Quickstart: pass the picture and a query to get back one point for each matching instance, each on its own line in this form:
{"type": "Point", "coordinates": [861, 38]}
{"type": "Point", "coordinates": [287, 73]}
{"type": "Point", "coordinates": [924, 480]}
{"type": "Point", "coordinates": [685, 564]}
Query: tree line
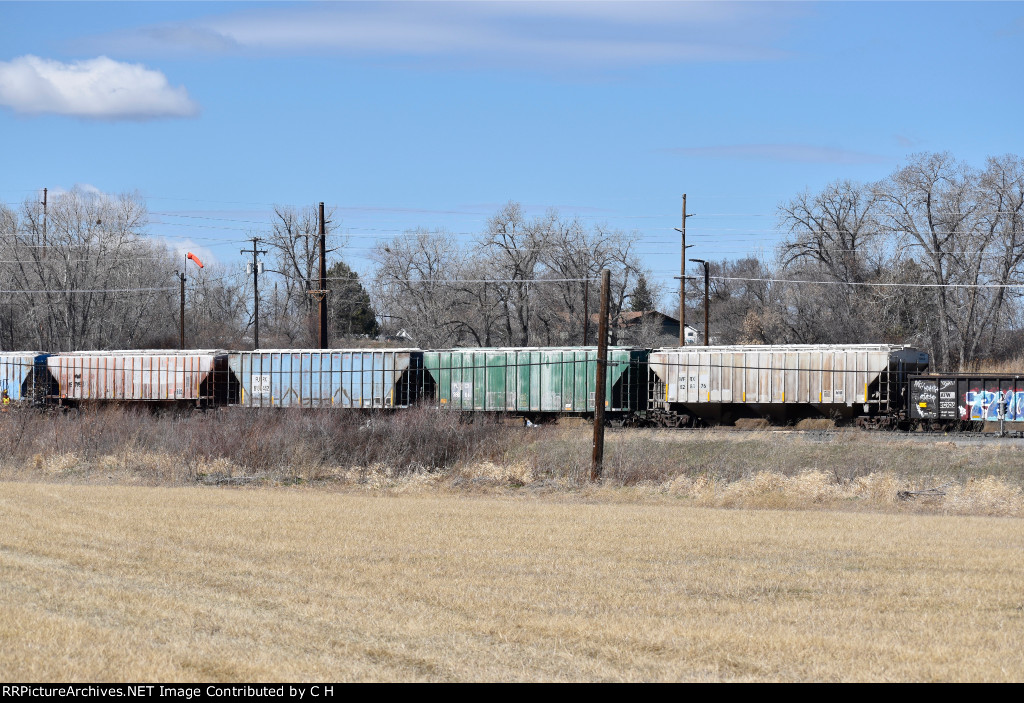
{"type": "Point", "coordinates": [932, 255]}
{"type": "Point", "coordinates": [520, 282]}
{"type": "Point", "coordinates": [84, 273]}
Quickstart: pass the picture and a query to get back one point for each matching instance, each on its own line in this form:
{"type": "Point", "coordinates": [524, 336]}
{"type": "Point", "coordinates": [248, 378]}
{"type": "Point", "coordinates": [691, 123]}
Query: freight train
{"type": "Point", "coordinates": [880, 386]}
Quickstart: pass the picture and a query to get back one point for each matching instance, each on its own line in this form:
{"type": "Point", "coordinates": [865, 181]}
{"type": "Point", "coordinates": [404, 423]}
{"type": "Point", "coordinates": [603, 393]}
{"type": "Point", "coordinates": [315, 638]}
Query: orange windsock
{"type": "Point", "coordinates": [195, 258]}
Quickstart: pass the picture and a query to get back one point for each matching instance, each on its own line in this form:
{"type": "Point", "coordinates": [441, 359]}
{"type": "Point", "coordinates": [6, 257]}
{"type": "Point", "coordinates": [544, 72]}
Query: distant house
{"type": "Point", "coordinates": [659, 322]}
{"type": "Point", "coordinates": [649, 327]}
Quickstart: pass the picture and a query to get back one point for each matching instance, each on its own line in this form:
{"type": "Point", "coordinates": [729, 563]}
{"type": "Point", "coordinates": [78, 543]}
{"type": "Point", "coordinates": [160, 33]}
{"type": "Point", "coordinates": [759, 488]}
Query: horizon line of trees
{"type": "Point", "coordinates": [932, 255]}
{"type": "Point", "coordinates": [85, 274]}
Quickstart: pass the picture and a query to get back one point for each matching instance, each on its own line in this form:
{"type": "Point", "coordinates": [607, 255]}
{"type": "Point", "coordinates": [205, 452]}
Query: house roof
{"type": "Point", "coordinates": [630, 317]}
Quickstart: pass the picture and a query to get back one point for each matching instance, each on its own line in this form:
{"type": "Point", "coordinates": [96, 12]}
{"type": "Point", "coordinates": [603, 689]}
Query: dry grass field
{"type": "Point", "coordinates": [203, 583]}
{"type": "Point", "coordinates": [425, 450]}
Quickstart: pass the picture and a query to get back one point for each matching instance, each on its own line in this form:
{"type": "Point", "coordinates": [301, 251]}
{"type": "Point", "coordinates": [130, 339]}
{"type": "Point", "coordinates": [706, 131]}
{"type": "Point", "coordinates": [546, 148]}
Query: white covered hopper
{"type": "Point", "coordinates": [153, 375]}
{"type": "Point", "coordinates": [832, 376]}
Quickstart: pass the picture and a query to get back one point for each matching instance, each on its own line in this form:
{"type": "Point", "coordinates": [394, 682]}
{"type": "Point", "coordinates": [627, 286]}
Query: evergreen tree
{"type": "Point", "coordinates": [349, 305]}
{"type": "Point", "coordinates": [641, 299]}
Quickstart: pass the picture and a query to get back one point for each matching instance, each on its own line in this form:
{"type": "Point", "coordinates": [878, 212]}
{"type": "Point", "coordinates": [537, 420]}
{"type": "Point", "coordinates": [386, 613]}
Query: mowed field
{"type": "Point", "coordinates": [213, 584]}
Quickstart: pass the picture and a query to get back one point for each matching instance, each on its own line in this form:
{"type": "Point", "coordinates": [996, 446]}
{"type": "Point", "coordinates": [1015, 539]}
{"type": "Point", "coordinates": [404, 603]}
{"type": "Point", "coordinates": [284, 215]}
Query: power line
{"type": "Point", "coordinates": [207, 217]}
{"type": "Point", "coordinates": [93, 260]}
{"type": "Point", "coordinates": [527, 281]}
{"type": "Point", "coordinates": [870, 284]}
{"type": "Point", "coordinates": [78, 291]}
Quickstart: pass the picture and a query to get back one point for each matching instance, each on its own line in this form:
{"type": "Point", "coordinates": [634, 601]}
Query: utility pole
{"type": "Point", "coordinates": [586, 305]}
{"type": "Point", "coordinates": [706, 291]}
{"type": "Point", "coordinates": [181, 319]}
{"type": "Point", "coordinates": [682, 277]}
{"type": "Point", "coordinates": [597, 462]}
{"type": "Point", "coordinates": [323, 280]}
{"type": "Point", "coordinates": [44, 221]}
{"type": "Point", "coordinates": [320, 293]}
{"type": "Point", "coordinates": [255, 288]}
{"type": "Point", "coordinates": [487, 318]}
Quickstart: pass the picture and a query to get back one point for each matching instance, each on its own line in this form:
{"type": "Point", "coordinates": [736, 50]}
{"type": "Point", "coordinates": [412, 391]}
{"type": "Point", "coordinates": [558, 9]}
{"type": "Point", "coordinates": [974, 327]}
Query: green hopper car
{"type": "Point", "coordinates": [531, 381]}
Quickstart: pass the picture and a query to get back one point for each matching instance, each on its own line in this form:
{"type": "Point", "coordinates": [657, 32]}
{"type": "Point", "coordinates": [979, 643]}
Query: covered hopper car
{"type": "Point", "coordinates": [195, 377]}
{"type": "Point", "coordinates": [861, 382]}
{"type": "Point", "coordinates": [328, 378]}
{"type": "Point", "coordinates": [537, 382]}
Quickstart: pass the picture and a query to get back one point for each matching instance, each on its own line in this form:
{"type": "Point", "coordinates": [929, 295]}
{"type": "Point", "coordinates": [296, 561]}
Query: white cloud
{"type": "Point", "coordinates": [86, 189]}
{"type": "Point", "coordinates": [99, 88]}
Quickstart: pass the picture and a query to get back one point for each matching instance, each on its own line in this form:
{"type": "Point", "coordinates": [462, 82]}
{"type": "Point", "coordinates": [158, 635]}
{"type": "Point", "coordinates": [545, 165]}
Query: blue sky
{"type": "Point", "coordinates": [435, 114]}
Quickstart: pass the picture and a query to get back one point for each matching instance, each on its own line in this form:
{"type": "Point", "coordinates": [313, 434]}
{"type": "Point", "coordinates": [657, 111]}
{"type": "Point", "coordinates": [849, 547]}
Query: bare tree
{"type": "Point", "coordinates": [294, 245]}
{"type": "Point", "coordinates": [96, 282]}
{"type": "Point", "coordinates": [521, 282]}
{"type": "Point", "coordinates": [833, 228]}
{"type": "Point", "coordinates": [1003, 184]}
{"type": "Point", "coordinates": [929, 255]}
{"type": "Point", "coordinates": [217, 300]}
{"type": "Point", "coordinates": [417, 287]}
{"type": "Point", "coordinates": [939, 208]}
{"type": "Point", "coordinates": [513, 248]}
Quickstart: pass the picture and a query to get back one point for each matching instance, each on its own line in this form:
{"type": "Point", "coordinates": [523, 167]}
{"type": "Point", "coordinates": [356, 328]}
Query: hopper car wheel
{"type": "Point", "coordinates": [880, 422]}
{"type": "Point", "coordinates": [665, 418]}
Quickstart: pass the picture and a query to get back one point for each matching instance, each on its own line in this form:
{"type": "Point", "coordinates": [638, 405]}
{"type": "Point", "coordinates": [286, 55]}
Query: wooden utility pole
{"type": "Point", "coordinates": [682, 280]}
{"type": "Point", "coordinates": [44, 220]}
{"type": "Point", "coordinates": [586, 307]}
{"type": "Point", "coordinates": [255, 288]}
{"type": "Point", "coordinates": [706, 298]}
{"type": "Point", "coordinates": [42, 252]}
{"type": "Point", "coordinates": [324, 328]}
{"type": "Point", "coordinates": [707, 323]}
{"type": "Point", "coordinates": [597, 463]}
{"type": "Point", "coordinates": [181, 320]}
{"type": "Point", "coordinates": [682, 277]}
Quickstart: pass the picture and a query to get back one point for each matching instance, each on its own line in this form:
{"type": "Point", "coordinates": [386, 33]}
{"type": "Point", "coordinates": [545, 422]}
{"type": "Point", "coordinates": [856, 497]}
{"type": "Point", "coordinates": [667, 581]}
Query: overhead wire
{"type": "Point", "coordinates": [80, 291]}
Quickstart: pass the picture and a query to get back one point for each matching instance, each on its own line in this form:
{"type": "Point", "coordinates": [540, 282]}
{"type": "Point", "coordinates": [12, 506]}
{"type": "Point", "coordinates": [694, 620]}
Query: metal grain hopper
{"type": "Point", "coordinates": [330, 378]}
{"type": "Point", "coordinates": [535, 381]}
{"type": "Point", "coordinates": [198, 377]}
{"type": "Point", "coordinates": [784, 383]}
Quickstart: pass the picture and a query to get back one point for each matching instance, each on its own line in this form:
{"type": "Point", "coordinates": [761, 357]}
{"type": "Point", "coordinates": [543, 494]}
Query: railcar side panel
{"type": "Point", "coordinates": [144, 375]}
{"type": "Point", "coordinates": [783, 381]}
{"type": "Point", "coordinates": [967, 398]}
{"type": "Point", "coordinates": [23, 375]}
{"type": "Point", "coordinates": [333, 378]}
{"type": "Point", "coordinates": [535, 380]}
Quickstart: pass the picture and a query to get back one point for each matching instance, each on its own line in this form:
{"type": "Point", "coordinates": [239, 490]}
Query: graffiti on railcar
{"type": "Point", "coordinates": [984, 405]}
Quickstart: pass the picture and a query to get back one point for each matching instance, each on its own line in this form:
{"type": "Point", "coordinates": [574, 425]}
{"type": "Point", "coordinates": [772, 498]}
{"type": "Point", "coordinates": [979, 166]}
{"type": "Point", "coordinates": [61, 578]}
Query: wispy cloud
{"type": "Point", "coordinates": [569, 33]}
{"type": "Point", "coordinates": [801, 153]}
{"type": "Point", "coordinates": [1011, 29]}
{"type": "Point", "coordinates": [908, 141]}
{"type": "Point", "coordinates": [99, 88]}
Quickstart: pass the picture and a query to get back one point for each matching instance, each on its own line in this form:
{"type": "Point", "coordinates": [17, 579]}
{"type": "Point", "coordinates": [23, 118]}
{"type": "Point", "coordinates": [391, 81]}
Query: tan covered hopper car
{"type": "Point", "coordinates": [198, 377]}
{"type": "Point", "coordinates": [783, 383]}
